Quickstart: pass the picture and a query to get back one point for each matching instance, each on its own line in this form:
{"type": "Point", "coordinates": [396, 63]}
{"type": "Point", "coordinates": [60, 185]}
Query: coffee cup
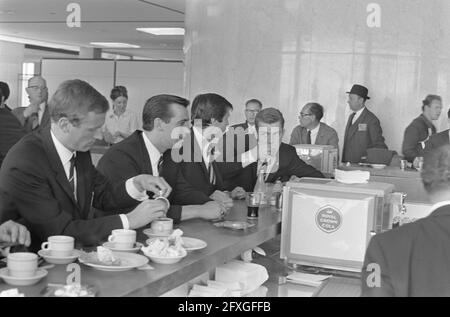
{"type": "Point", "coordinates": [59, 246]}
{"type": "Point", "coordinates": [162, 226]}
{"type": "Point", "coordinates": [123, 239]}
{"type": "Point", "coordinates": [22, 265]}
{"type": "Point", "coordinates": [165, 201]}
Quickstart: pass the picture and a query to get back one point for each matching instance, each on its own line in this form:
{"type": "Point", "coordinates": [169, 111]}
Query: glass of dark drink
{"type": "Point", "coordinates": [253, 202]}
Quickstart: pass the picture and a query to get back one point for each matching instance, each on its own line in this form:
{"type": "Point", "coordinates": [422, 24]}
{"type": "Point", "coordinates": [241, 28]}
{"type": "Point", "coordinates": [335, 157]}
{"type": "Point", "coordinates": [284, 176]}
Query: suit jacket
{"type": "Point", "coordinates": [289, 165]}
{"type": "Point", "coordinates": [437, 140]}
{"type": "Point", "coordinates": [326, 136]}
{"type": "Point", "coordinates": [36, 189]}
{"type": "Point", "coordinates": [10, 132]}
{"type": "Point", "coordinates": [130, 157]}
{"type": "Point", "coordinates": [365, 133]}
{"type": "Point", "coordinates": [27, 123]}
{"type": "Point", "coordinates": [192, 166]}
{"type": "Point", "coordinates": [417, 132]}
{"type": "Point", "coordinates": [414, 259]}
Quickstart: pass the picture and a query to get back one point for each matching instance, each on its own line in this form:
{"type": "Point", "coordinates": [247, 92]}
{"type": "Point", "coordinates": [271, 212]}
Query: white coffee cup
{"type": "Point", "coordinates": [163, 226]}
{"type": "Point", "coordinates": [22, 264]}
{"type": "Point", "coordinates": [123, 239]}
{"type": "Point", "coordinates": [59, 246]}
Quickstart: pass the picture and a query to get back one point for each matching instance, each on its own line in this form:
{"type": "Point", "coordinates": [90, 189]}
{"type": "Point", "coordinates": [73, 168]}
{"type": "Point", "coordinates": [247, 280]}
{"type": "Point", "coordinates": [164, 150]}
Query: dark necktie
{"type": "Point", "coordinates": [72, 176]}
{"type": "Point", "coordinates": [160, 166]}
{"type": "Point", "coordinates": [308, 137]}
{"type": "Point", "coordinates": [212, 175]}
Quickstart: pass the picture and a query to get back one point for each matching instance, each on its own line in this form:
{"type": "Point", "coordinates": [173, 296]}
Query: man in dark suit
{"type": "Point", "coordinates": [48, 179]}
{"type": "Point", "coordinates": [200, 154]}
{"type": "Point", "coordinates": [278, 160]}
{"type": "Point", "coordinates": [422, 128]}
{"type": "Point", "coordinates": [437, 140]}
{"type": "Point", "coordinates": [413, 260]}
{"type": "Point", "coordinates": [149, 152]}
{"type": "Point", "coordinates": [252, 108]}
{"type": "Point", "coordinates": [10, 131]}
{"type": "Point", "coordinates": [363, 129]}
{"type": "Point", "coordinates": [4, 90]}
{"type": "Point", "coordinates": [311, 130]}
{"type": "Point", "coordinates": [36, 115]}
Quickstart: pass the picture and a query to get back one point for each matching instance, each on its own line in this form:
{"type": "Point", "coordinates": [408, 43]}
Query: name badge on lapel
{"type": "Point", "coordinates": [362, 127]}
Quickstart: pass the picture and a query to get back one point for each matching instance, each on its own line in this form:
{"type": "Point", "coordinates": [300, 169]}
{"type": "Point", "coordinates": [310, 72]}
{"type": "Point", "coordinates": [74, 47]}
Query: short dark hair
{"type": "Point", "coordinates": [269, 116]}
{"type": "Point", "coordinates": [74, 99]}
{"type": "Point", "coordinates": [448, 114]}
{"type": "Point", "coordinates": [316, 109]}
{"type": "Point", "coordinates": [159, 107]}
{"type": "Point", "coordinates": [206, 107]}
{"type": "Point", "coordinates": [436, 170]}
{"type": "Point", "coordinates": [1, 95]}
{"type": "Point", "coordinates": [259, 103]}
{"type": "Point", "coordinates": [4, 88]}
{"type": "Point", "coordinates": [429, 99]}
{"type": "Point", "coordinates": [119, 91]}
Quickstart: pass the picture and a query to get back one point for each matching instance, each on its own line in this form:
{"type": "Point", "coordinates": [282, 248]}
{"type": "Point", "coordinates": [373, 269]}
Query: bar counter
{"type": "Point", "coordinates": [223, 245]}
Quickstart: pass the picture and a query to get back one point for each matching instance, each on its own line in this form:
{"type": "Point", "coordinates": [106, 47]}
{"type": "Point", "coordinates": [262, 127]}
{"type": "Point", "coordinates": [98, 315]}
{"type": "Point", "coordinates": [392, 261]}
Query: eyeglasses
{"type": "Point", "coordinates": [251, 111]}
{"type": "Point", "coordinates": [37, 88]}
{"type": "Point", "coordinates": [302, 115]}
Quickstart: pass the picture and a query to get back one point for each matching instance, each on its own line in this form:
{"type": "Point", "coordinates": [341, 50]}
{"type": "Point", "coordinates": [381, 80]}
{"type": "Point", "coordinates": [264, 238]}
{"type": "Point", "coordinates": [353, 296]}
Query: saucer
{"type": "Point", "coordinates": [58, 259]}
{"type": "Point", "coordinates": [189, 244]}
{"type": "Point", "coordinates": [110, 245]}
{"type": "Point", "coordinates": [149, 232]}
{"type": "Point", "coordinates": [22, 281]}
{"type": "Point", "coordinates": [379, 166]}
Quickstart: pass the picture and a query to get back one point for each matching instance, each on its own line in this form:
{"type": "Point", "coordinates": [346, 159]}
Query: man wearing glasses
{"type": "Point", "coordinates": [311, 130]}
{"type": "Point", "coordinates": [36, 114]}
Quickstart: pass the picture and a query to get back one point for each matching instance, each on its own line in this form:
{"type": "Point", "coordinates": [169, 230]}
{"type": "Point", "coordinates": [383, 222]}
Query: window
{"type": "Point", "coordinates": [27, 73]}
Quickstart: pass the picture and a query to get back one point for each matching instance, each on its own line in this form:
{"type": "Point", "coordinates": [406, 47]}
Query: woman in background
{"type": "Point", "coordinates": [120, 123]}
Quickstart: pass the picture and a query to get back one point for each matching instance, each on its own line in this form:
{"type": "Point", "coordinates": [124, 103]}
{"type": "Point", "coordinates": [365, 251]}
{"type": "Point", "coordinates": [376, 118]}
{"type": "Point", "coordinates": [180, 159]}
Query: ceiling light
{"type": "Point", "coordinates": [162, 31]}
{"type": "Point", "coordinates": [114, 45]}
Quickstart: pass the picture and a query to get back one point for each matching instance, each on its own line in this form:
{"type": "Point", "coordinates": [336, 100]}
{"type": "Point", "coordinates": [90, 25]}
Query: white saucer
{"type": "Point", "coordinates": [22, 281]}
{"type": "Point", "coordinates": [58, 259]}
{"type": "Point", "coordinates": [110, 245]}
{"type": "Point", "coordinates": [189, 244]}
{"type": "Point", "coordinates": [129, 261]}
{"type": "Point", "coordinates": [379, 166]}
{"type": "Point", "coordinates": [149, 232]}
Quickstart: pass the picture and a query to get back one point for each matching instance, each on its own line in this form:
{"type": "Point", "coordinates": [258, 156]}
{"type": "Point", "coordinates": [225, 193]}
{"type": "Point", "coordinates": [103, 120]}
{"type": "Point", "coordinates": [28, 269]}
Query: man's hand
{"type": "Point", "coordinates": [157, 185]}
{"type": "Point", "coordinates": [12, 232]}
{"type": "Point", "coordinates": [222, 198]}
{"type": "Point", "coordinates": [145, 213]}
{"type": "Point", "coordinates": [212, 210]}
{"type": "Point", "coordinates": [238, 193]}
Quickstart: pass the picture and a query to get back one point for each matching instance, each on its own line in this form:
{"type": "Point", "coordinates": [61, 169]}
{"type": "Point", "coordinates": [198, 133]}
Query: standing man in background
{"type": "Point", "coordinates": [422, 128]}
{"type": "Point", "coordinates": [363, 129]}
{"type": "Point", "coordinates": [36, 115]}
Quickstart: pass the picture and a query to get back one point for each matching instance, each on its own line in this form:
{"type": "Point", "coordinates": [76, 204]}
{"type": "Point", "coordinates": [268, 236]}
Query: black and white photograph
{"type": "Point", "coordinates": [225, 154]}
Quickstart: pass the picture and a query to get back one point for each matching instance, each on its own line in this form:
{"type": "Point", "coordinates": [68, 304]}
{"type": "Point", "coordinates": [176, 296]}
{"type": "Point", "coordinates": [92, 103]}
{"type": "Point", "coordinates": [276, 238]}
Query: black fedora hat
{"type": "Point", "coordinates": [360, 91]}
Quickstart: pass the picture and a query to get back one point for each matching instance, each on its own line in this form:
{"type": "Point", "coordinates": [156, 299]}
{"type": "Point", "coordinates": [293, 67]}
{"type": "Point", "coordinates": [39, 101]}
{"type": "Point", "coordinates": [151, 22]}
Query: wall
{"type": "Point", "coordinates": [290, 52]}
{"type": "Point", "coordinates": [11, 57]}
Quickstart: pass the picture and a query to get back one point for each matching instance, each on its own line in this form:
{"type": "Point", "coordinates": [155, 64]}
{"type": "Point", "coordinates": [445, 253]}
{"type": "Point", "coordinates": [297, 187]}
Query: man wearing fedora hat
{"type": "Point", "coordinates": [363, 130]}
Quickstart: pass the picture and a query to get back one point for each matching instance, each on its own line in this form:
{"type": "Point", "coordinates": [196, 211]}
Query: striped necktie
{"type": "Point", "coordinates": [72, 176]}
{"type": "Point", "coordinates": [160, 166]}
{"type": "Point", "coordinates": [308, 137]}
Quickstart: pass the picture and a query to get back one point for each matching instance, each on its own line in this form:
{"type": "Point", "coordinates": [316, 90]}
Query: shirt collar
{"type": "Point", "coordinates": [439, 205]}
{"type": "Point", "coordinates": [316, 129]}
{"type": "Point", "coordinates": [153, 152]}
{"type": "Point", "coordinates": [358, 113]}
{"type": "Point", "coordinates": [64, 153]}
{"type": "Point", "coordinates": [42, 106]}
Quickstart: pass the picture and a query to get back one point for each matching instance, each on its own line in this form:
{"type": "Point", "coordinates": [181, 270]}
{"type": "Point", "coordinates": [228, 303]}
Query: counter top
{"type": "Point", "coordinates": [389, 171]}
{"type": "Point", "coordinates": [223, 245]}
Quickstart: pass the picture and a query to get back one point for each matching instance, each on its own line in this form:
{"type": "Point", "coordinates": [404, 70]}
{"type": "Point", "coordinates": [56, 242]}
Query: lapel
{"type": "Point", "coordinates": [145, 156]}
{"type": "Point", "coordinates": [303, 135]}
{"type": "Point", "coordinates": [83, 190]}
{"type": "Point", "coordinates": [45, 117]}
{"type": "Point", "coordinates": [354, 128]}
{"type": "Point", "coordinates": [320, 134]}
{"type": "Point", "coordinates": [446, 137]}
{"type": "Point", "coordinates": [197, 156]}
{"type": "Point", "coordinates": [57, 166]}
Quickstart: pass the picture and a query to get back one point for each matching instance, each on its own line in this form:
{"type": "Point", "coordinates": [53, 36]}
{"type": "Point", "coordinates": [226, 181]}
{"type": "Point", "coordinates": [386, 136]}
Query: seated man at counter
{"type": "Point", "coordinates": [422, 128]}
{"type": "Point", "coordinates": [149, 152]}
{"type": "Point", "coordinates": [50, 183]}
{"type": "Point", "coordinates": [437, 140]}
{"type": "Point", "coordinates": [413, 259]}
{"type": "Point", "coordinates": [198, 152]}
{"type": "Point", "coordinates": [311, 130]}
{"type": "Point", "coordinates": [280, 160]}
{"type": "Point", "coordinates": [363, 129]}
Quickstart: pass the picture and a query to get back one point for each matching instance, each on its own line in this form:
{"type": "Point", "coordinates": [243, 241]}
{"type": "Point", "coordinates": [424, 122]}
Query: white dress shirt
{"type": "Point", "coordinates": [358, 114]}
{"type": "Point", "coordinates": [65, 155]}
{"type": "Point", "coordinates": [41, 112]}
{"type": "Point", "coordinates": [127, 123]}
{"type": "Point", "coordinates": [204, 145]}
{"type": "Point", "coordinates": [314, 133]}
{"type": "Point", "coordinates": [252, 130]}
{"type": "Point", "coordinates": [154, 154]}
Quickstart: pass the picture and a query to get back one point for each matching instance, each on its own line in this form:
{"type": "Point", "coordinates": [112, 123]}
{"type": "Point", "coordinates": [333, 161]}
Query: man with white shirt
{"type": "Point", "coordinates": [413, 260]}
{"type": "Point", "coordinates": [50, 183]}
{"type": "Point", "coordinates": [36, 115]}
{"type": "Point", "coordinates": [149, 152]}
{"type": "Point", "coordinates": [311, 130]}
{"type": "Point", "coordinates": [252, 108]}
{"type": "Point", "coordinates": [278, 160]}
{"type": "Point", "coordinates": [363, 130]}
